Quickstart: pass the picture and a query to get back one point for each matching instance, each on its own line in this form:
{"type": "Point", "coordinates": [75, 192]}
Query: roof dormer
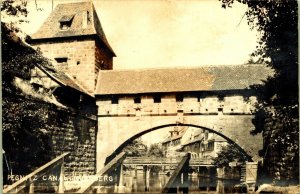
{"type": "Point", "coordinates": [66, 22]}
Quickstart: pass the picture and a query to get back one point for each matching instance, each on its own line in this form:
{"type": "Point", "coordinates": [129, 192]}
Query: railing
{"type": "Point", "coordinates": [201, 162]}
{"type": "Point", "coordinates": [164, 161]}
{"type": "Point", "coordinates": [29, 180]}
{"type": "Point", "coordinates": [179, 178]}
{"type": "Point", "coordinates": [105, 170]}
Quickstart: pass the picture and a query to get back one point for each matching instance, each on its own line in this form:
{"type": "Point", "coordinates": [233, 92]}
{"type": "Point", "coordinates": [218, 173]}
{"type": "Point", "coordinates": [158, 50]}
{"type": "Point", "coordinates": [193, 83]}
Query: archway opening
{"type": "Point", "coordinates": [130, 140]}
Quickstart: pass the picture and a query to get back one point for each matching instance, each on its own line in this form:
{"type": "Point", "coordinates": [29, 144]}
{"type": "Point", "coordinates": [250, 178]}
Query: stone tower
{"type": "Point", "coordinates": [73, 39]}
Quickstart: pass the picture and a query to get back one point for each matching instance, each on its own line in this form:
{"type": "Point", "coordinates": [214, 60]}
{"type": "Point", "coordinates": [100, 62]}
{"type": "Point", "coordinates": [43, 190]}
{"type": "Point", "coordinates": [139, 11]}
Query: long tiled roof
{"type": "Point", "coordinates": [206, 78]}
{"type": "Point", "coordinates": [75, 12]}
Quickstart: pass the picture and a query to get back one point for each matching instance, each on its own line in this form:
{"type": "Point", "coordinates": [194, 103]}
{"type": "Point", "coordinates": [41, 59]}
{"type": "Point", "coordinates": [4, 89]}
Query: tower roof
{"type": "Point", "coordinates": [80, 19]}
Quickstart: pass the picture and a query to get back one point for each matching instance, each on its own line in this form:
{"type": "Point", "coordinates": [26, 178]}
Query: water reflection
{"type": "Point", "coordinates": [153, 182]}
{"type": "Point", "coordinates": [144, 182]}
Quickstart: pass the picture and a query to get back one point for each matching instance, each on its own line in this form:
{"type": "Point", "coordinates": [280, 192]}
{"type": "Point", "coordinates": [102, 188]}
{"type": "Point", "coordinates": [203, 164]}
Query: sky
{"type": "Point", "coordinates": [166, 33]}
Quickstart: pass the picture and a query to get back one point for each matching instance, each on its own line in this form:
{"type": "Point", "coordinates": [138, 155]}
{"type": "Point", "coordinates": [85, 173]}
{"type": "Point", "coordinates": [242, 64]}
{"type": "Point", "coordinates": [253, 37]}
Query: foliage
{"type": "Point", "coordinates": [278, 112]}
{"type": "Point", "coordinates": [17, 60]}
{"type": "Point", "coordinates": [277, 46]}
{"type": "Point", "coordinates": [136, 148]}
{"type": "Point", "coordinates": [14, 7]}
{"type": "Point", "coordinates": [155, 150]}
{"type": "Point", "coordinates": [26, 143]}
{"type": "Point", "coordinates": [229, 154]}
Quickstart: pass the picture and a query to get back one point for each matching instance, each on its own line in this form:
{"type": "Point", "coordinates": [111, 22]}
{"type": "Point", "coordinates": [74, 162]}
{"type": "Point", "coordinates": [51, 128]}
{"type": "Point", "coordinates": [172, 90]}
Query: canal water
{"type": "Point", "coordinates": [152, 182]}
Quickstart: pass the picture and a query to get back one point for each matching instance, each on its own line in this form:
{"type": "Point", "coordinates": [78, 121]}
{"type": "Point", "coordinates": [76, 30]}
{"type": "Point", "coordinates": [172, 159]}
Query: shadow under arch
{"type": "Point", "coordinates": [128, 141]}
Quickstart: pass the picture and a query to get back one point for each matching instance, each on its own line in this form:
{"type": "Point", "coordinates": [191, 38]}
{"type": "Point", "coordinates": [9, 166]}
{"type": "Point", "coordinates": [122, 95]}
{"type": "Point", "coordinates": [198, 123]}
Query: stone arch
{"type": "Point", "coordinates": [128, 141]}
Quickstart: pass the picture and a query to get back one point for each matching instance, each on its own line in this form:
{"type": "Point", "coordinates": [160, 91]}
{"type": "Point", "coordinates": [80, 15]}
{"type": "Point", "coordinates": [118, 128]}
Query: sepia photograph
{"type": "Point", "coordinates": [150, 96]}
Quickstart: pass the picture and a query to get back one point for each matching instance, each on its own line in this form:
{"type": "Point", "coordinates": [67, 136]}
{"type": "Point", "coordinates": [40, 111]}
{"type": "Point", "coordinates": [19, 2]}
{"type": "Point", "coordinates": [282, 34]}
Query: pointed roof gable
{"type": "Point", "coordinates": [81, 18]}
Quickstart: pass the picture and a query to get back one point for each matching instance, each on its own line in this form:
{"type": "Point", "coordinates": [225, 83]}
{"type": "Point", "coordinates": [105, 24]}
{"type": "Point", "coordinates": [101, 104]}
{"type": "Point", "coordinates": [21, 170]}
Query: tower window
{"type": "Point", "coordinates": [61, 60]}
{"type": "Point", "coordinates": [88, 17]}
{"type": "Point", "coordinates": [66, 22]}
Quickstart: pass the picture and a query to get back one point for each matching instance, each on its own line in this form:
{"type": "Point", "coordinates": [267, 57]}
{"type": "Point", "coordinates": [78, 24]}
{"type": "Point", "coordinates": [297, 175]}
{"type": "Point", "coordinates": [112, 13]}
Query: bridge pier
{"type": "Point", "coordinates": [147, 178]}
{"type": "Point", "coordinates": [121, 188]}
{"type": "Point", "coordinates": [184, 182]}
{"type": "Point", "coordinates": [135, 171]}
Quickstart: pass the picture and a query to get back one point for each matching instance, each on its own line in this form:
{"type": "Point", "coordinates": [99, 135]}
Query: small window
{"type": "Point", "coordinates": [137, 100]}
{"type": "Point", "coordinates": [221, 97]}
{"type": "Point", "coordinates": [157, 99]}
{"type": "Point", "coordinates": [179, 98]}
{"type": "Point", "coordinates": [88, 17]}
{"type": "Point", "coordinates": [114, 100]}
{"type": "Point", "coordinates": [61, 60]}
{"type": "Point", "coordinates": [220, 109]}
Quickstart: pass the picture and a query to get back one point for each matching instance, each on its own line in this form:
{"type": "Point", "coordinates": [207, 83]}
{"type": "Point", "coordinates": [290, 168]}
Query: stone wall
{"type": "Point", "coordinates": [168, 105]}
{"type": "Point", "coordinates": [103, 59]}
{"type": "Point", "coordinates": [74, 133]}
{"type": "Point", "coordinates": [84, 58]}
{"type": "Point", "coordinates": [77, 136]}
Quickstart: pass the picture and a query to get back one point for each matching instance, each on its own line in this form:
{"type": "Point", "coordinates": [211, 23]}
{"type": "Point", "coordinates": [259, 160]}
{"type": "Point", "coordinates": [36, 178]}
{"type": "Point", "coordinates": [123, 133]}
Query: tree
{"type": "Point", "coordinates": [229, 154]}
{"type": "Point", "coordinates": [27, 145]}
{"type": "Point", "coordinates": [155, 150]}
{"type": "Point", "coordinates": [136, 148]}
{"type": "Point", "coordinates": [14, 7]}
{"type": "Point", "coordinates": [278, 111]}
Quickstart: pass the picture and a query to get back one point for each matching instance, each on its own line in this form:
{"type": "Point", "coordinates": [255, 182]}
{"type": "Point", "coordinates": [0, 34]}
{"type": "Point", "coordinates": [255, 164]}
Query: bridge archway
{"type": "Point", "coordinates": [115, 132]}
{"type": "Point", "coordinates": [131, 139]}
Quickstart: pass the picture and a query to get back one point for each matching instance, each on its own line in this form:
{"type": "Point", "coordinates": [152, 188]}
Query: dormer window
{"type": "Point", "coordinates": [66, 22]}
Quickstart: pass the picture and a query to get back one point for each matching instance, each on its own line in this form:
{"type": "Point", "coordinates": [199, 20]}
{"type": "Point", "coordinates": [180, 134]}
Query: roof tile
{"type": "Point", "coordinates": [205, 78]}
